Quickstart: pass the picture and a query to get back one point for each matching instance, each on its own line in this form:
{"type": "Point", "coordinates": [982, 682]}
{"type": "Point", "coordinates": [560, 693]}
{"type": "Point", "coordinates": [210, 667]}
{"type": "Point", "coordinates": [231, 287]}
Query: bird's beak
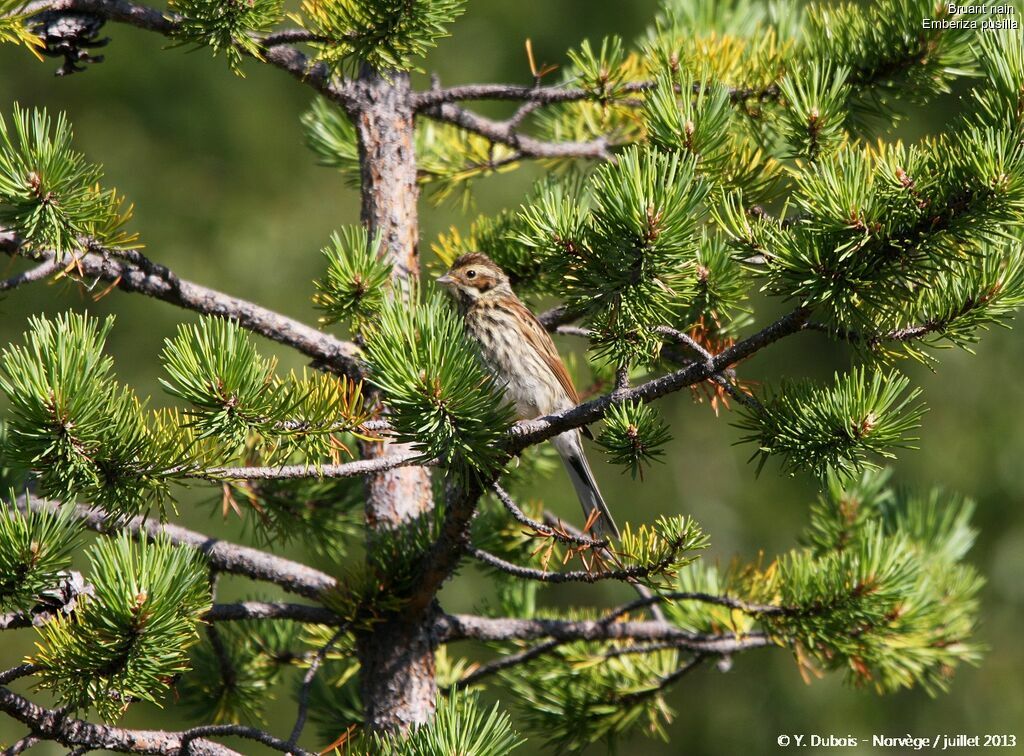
{"type": "Point", "coordinates": [445, 280]}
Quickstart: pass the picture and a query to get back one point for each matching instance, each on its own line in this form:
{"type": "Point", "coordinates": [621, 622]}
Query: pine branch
{"type": "Point", "coordinates": [292, 472]}
{"type": "Point", "coordinates": [444, 556]}
{"type": "Point", "coordinates": [272, 610]}
{"type": "Point", "coordinates": [530, 432]}
{"type": "Point", "coordinates": [221, 555]}
{"type": "Point", "coordinates": [274, 51]}
{"type": "Point", "coordinates": [450, 628]}
{"type": "Point", "coordinates": [559, 93]}
{"type": "Point", "coordinates": [556, 316]}
{"type": "Point", "coordinates": [470, 624]}
{"type": "Point", "coordinates": [899, 335]}
{"type": "Point", "coordinates": [53, 724]}
{"type": "Point", "coordinates": [16, 673]}
{"type": "Point", "coordinates": [142, 276]}
{"type": "Point", "coordinates": [753, 609]}
{"type": "Point", "coordinates": [22, 745]}
{"type": "Point", "coordinates": [446, 553]}
{"type": "Point", "coordinates": [540, 95]}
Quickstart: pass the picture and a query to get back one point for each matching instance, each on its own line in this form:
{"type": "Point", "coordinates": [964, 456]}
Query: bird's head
{"type": "Point", "coordinates": [472, 276]}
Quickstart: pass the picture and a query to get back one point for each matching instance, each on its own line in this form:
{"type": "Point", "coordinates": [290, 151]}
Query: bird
{"type": "Point", "coordinates": [517, 349]}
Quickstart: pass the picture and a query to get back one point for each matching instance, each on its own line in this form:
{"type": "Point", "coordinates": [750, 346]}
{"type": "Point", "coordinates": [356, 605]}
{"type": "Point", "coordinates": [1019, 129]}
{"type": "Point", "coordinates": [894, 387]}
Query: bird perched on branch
{"type": "Point", "coordinates": [517, 348]}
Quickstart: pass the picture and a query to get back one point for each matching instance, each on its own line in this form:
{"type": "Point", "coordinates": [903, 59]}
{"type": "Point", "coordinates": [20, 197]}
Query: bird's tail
{"type": "Point", "coordinates": [570, 448]}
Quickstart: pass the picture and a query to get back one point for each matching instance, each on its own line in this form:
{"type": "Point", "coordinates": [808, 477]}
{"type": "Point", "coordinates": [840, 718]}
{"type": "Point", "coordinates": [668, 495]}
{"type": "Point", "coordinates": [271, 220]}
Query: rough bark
{"type": "Point", "coordinates": [397, 657]}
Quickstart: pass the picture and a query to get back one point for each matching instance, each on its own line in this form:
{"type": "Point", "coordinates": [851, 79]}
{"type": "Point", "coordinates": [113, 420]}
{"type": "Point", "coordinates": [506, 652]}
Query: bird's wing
{"type": "Point", "coordinates": [537, 336]}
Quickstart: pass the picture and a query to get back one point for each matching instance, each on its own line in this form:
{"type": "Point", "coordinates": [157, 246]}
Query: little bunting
{"type": "Point", "coordinates": [518, 350]}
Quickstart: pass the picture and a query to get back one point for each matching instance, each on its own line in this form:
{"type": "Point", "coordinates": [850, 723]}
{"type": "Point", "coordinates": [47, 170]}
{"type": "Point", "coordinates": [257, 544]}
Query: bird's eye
{"type": "Point", "coordinates": [470, 273]}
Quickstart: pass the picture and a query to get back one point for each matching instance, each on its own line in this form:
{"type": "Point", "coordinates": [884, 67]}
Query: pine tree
{"type": "Point", "coordinates": [733, 148]}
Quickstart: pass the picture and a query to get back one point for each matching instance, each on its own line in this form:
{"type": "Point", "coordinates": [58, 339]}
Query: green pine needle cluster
{"type": "Point", "coordinates": [49, 193]}
{"type": "Point", "coordinates": [237, 398]}
{"type": "Point", "coordinates": [461, 724]}
{"type": "Point", "coordinates": [838, 428]}
{"type": "Point", "coordinates": [582, 694]}
{"type": "Point", "coordinates": [325, 516]}
{"type": "Point", "coordinates": [227, 26]}
{"type": "Point", "coordinates": [84, 436]}
{"type": "Point", "coordinates": [239, 686]}
{"type": "Point", "coordinates": [373, 590]}
{"type": "Point", "coordinates": [889, 56]}
{"type": "Point", "coordinates": [881, 591]}
{"type": "Point", "coordinates": [877, 230]}
{"type": "Point", "coordinates": [70, 422]}
{"type": "Point", "coordinates": [629, 260]}
{"type": "Point", "coordinates": [603, 72]}
{"type": "Point", "coordinates": [890, 566]}
{"type": "Point", "coordinates": [386, 34]}
{"type": "Point", "coordinates": [438, 394]}
{"type": "Point", "coordinates": [331, 137]}
{"type": "Point", "coordinates": [633, 435]}
{"type": "Point", "coordinates": [35, 550]}
{"type": "Point", "coordinates": [663, 548]}
{"type": "Point", "coordinates": [814, 120]}
{"type": "Point", "coordinates": [356, 281]}
{"type": "Point", "coordinates": [128, 639]}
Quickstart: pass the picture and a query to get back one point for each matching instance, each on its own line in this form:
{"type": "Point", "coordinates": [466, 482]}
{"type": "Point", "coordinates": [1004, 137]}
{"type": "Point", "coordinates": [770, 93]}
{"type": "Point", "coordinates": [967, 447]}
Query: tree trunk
{"type": "Point", "coordinates": [397, 657]}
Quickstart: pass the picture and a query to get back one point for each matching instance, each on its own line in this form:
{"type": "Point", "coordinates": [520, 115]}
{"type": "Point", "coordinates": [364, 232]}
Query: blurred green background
{"type": "Point", "coordinates": [226, 194]}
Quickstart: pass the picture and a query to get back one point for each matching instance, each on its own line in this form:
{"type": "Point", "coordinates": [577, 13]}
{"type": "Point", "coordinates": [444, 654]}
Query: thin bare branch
{"type": "Point", "coordinates": [730, 602]}
{"type": "Point", "coordinates": [720, 378]}
{"type": "Point", "coordinates": [572, 576]}
{"type": "Point", "coordinates": [642, 590]}
{"type": "Point", "coordinates": [21, 746]}
{"type": "Point", "coordinates": [307, 685]}
{"type": "Point", "coordinates": [571, 330]}
{"type": "Point", "coordinates": [289, 37]}
{"type": "Point", "coordinates": [504, 662]}
{"type": "Point", "coordinates": [188, 737]}
{"type": "Point", "coordinates": [663, 635]}
{"type": "Point", "coordinates": [909, 333]}
{"type": "Point", "coordinates": [557, 316]}
{"type": "Point", "coordinates": [558, 94]}
{"type": "Point", "coordinates": [506, 132]}
{"type": "Point", "coordinates": [38, 273]}
{"type": "Point", "coordinates": [558, 533]}
{"type": "Point", "coordinates": [143, 276]}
